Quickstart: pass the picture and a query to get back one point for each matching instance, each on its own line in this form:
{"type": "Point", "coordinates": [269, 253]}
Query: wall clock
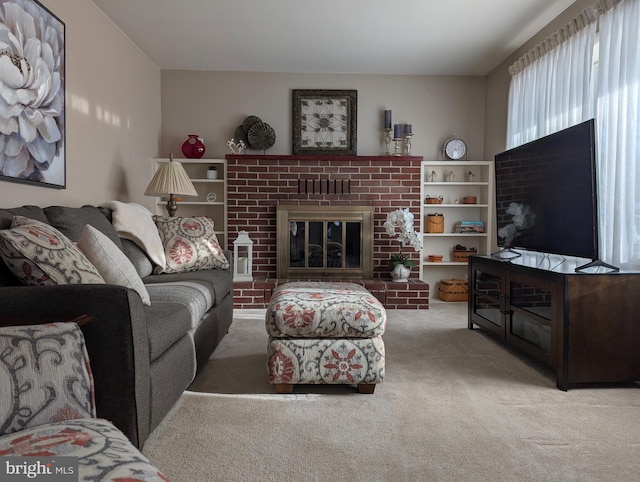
{"type": "Point", "coordinates": [455, 149]}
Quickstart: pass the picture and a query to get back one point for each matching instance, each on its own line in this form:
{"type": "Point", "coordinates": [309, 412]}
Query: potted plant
{"type": "Point", "coordinates": [212, 172]}
{"type": "Point", "coordinates": [399, 264]}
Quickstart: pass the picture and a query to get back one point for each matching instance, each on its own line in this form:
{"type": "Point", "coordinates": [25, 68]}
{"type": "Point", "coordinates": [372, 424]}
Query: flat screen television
{"type": "Point", "coordinates": [546, 194]}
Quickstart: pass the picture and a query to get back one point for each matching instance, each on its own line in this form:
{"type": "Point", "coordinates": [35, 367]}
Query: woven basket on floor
{"type": "Point", "coordinates": [454, 290]}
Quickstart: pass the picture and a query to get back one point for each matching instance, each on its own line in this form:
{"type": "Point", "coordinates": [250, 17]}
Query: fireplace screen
{"type": "Point", "coordinates": [325, 241]}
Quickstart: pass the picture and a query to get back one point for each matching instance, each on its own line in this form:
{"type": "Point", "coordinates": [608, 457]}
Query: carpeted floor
{"type": "Point", "coordinates": [455, 405]}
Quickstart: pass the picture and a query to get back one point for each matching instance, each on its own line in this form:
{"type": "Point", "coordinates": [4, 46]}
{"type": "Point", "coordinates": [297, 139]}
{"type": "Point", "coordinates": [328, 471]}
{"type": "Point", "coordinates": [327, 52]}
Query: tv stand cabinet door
{"type": "Point", "coordinates": [534, 322]}
{"type": "Point", "coordinates": [487, 302]}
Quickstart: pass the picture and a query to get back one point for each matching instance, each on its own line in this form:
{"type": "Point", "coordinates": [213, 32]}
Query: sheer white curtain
{"type": "Point", "coordinates": [552, 87]}
{"type": "Point", "coordinates": [618, 125]}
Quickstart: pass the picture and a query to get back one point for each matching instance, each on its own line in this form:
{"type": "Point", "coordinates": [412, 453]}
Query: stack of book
{"type": "Point", "coordinates": [469, 227]}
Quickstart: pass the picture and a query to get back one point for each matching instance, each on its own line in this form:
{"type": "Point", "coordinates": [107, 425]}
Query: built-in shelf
{"type": "Point", "coordinates": [454, 209]}
{"type": "Point", "coordinates": [199, 206]}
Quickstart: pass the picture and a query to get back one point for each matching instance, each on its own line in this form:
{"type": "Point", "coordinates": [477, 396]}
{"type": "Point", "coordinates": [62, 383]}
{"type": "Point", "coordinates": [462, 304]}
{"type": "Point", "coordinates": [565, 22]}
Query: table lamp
{"type": "Point", "coordinates": [171, 179]}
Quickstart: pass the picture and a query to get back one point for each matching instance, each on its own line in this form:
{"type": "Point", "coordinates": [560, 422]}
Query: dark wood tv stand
{"type": "Point", "coordinates": [586, 327]}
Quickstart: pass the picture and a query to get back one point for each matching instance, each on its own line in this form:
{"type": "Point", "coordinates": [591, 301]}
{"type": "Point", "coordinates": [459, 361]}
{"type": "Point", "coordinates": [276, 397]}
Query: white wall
{"type": "Point", "coordinates": [112, 114]}
{"type": "Point", "coordinates": [213, 104]}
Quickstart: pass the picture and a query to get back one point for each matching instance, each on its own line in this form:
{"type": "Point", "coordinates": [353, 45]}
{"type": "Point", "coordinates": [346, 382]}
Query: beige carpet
{"type": "Point", "coordinates": [455, 405]}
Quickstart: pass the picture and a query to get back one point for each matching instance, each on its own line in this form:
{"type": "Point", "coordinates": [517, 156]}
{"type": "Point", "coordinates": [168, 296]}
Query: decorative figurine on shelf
{"type": "Point", "coordinates": [434, 176]}
{"type": "Point", "coordinates": [470, 176]}
{"type": "Point", "coordinates": [236, 147]}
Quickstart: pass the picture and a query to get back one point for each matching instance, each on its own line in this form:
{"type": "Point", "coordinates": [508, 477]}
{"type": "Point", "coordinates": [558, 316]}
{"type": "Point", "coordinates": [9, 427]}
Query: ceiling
{"type": "Point", "coordinates": [422, 37]}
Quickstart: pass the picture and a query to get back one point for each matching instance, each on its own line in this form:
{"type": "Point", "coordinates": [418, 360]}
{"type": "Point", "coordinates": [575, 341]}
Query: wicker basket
{"type": "Point", "coordinates": [434, 200]}
{"type": "Point", "coordinates": [435, 258]}
{"type": "Point", "coordinates": [463, 255]}
{"type": "Point", "coordinates": [434, 223]}
{"type": "Point", "coordinates": [454, 290]}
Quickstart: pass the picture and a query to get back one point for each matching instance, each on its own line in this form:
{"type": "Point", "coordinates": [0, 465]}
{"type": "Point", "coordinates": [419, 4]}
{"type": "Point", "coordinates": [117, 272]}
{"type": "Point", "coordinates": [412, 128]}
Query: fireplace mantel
{"type": "Point", "coordinates": [290, 157]}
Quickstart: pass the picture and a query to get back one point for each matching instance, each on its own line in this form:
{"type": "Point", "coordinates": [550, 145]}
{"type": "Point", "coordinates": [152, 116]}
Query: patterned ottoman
{"type": "Point", "coordinates": [321, 332]}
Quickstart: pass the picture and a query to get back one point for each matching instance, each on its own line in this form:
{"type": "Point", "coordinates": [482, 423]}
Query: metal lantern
{"type": "Point", "coordinates": [243, 257]}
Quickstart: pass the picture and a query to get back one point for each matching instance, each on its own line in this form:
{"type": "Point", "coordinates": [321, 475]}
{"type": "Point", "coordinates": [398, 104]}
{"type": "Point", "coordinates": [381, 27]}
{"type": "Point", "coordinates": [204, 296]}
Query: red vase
{"type": "Point", "coordinates": [193, 148]}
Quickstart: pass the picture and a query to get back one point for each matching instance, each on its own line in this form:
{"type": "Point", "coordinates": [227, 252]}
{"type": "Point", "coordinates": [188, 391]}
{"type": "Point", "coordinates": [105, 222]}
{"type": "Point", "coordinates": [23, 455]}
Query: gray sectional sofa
{"type": "Point", "coordinates": [142, 357]}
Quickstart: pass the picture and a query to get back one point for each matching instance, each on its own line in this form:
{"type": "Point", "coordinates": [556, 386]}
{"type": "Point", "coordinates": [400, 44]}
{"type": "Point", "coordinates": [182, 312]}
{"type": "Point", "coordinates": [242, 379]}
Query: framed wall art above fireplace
{"type": "Point", "coordinates": [32, 86]}
{"type": "Point", "coordinates": [325, 122]}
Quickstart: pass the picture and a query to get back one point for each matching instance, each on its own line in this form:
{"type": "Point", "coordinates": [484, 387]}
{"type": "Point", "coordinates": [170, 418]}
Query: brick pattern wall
{"type": "Point", "coordinates": [257, 183]}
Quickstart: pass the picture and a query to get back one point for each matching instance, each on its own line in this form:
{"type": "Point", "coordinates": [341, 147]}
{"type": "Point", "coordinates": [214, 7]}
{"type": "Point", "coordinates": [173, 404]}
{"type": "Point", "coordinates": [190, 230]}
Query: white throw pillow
{"type": "Point", "coordinates": [112, 264]}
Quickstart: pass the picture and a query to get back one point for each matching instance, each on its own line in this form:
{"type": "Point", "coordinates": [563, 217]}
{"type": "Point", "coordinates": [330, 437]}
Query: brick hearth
{"type": "Point", "coordinates": [256, 184]}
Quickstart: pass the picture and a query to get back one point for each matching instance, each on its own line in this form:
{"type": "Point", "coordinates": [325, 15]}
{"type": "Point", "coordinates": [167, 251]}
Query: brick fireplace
{"type": "Point", "coordinates": [256, 184]}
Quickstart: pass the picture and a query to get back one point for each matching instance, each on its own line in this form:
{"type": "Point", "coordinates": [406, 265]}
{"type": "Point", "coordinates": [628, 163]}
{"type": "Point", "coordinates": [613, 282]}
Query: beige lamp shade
{"type": "Point", "coordinates": [171, 178]}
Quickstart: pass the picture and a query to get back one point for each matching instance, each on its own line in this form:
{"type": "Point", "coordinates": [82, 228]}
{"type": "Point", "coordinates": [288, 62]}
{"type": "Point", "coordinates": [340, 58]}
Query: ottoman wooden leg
{"type": "Point", "coordinates": [366, 388]}
{"type": "Point", "coordinates": [284, 388]}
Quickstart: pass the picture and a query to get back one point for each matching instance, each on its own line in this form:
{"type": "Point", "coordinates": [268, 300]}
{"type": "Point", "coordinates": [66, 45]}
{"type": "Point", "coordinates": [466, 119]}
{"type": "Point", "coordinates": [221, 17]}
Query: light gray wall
{"type": "Point", "coordinates": [112, 114]}
{"type": "Point", "coordinates": [122, 111]}
{"type": "Point", "coordinates": [213, 104]}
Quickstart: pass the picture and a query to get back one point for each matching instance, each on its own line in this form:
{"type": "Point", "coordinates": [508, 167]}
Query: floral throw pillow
{"type": "Point", "coordinates": [39, 254]}
{"type": "Point", "coordinates": [190, 244]}
{"type": "Point", "coordinates": [45, 376]}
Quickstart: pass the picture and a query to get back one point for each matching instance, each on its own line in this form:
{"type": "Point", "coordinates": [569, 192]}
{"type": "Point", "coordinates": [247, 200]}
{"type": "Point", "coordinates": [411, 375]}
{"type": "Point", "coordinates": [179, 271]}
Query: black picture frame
{"type": "Point", "coordinates": [33, 141]}
{"type": "Point", "coordinates": [325, 122]}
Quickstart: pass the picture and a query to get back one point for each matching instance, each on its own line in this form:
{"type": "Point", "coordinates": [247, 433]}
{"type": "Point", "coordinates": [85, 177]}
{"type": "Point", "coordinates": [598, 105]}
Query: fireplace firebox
{"type": "Point", "coordinates": [324, 241]}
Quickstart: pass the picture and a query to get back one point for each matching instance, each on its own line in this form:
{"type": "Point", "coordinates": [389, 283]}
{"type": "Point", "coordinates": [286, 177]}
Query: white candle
{"type": "Point", "coordinates": [243, 263]}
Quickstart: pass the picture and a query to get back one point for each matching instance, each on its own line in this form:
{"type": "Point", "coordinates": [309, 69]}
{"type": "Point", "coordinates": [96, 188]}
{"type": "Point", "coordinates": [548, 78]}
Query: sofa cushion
{"type": "Point", "coordinates": [112, 264]}
{"type": "Point", "coordinates": [190, 244]}
{"type": "Point", "coordinates": [219, 282]}
{"type": "Point", "coordinates": [103, 452]}
{"type": "Point", "coordinates": [45, 376]}
{"type": "Point", "coordinates": [71, 222]}
{"type": "Point", "coordinates": [32, 212]}
{"type": "Point", "coordinates": [196, 296]}
{"type": "Point", "coordinates": [39, 254]}
{"type": "Point", "coordinates": [138, 258]}
{"type": "Point", "coordinates": [167, 322]}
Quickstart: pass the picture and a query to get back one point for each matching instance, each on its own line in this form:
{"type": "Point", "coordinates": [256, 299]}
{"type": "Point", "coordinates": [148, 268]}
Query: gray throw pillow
{"type": "Point", "coordinates": [112, 264]}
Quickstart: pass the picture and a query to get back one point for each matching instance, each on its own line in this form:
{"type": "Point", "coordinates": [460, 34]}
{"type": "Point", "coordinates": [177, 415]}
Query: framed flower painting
{"type": "Point", "coordinates": [32, 94]}
{"type": "Point", "coordinates": [325, 122]}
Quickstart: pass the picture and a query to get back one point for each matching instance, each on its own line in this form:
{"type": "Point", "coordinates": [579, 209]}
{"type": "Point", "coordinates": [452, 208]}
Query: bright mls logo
{"type": "Point", "coordinates": [52, 469]}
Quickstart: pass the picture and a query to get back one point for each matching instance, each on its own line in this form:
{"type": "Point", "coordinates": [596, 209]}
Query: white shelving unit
{"type": "Point", "coordinates": [437, 181]}
{"type": "Point", "coordinates": [200, 206]}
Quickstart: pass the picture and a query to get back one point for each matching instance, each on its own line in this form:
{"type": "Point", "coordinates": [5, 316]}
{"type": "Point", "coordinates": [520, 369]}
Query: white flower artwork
{"type": "Point", "coordinates": [32, 94]}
